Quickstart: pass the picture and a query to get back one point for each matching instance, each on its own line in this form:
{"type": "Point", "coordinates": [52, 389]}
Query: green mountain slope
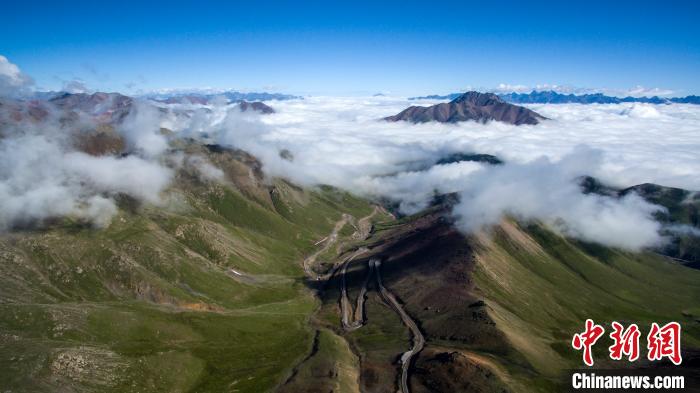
{"type": "Point", "coordinates": [539, 288]}
{"type": "Point", "coordinates": [237, 286]}
{"type": "Point", "coordinates": [205, 293]}
{"type": "Point", "coordinates": [498, 308]}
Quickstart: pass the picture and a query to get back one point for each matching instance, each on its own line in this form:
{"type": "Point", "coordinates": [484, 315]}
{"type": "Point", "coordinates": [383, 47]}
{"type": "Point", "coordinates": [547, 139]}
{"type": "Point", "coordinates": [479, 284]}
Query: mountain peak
{"type": "Point", "coordinates": [477, 98]}
{"type": "Point", "coordinates": [472, 105]}
{"type": "Point", "coordinates": [255, 106]}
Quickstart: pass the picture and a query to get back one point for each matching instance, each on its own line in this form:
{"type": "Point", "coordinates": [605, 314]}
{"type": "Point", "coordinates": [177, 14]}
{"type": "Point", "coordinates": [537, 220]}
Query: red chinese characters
{"type": "Point", "coordinates": [662, 342]}
{"type": "Point", "coordinates": [665, 342]}
{"type": "Point", "coordinates": [587, 339]}
{"type": "Point", "coordinates": [625, 342]}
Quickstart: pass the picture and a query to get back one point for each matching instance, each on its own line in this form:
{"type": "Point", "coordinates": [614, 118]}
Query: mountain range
{"type": "Point", "coordinates": [232, 96]}
{"type": "Point", "coordinates": [552, 97]}
{"type": "Point", "coordinates": [108, 108]}
{"type": "Point", "coordinates": [253, 283]}
{"type": "Point", "coordinates": [183, 97]}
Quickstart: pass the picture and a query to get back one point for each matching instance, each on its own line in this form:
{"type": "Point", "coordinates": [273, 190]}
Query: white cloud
{"type": "Point", "coordinates": [641, 91]}
{"type": "Point", "coordinates": [141, 129]}
{"type": "Point", "coordinates": [508, 88]}
{"type": "Point", "coordinates": [196, 165]}
{"type": "Point", "coordinates": [642, 111]}
{"type": "Point", "coordinates": [12, 80]}
{"type": "Point", "coordinates": [206, 169]}
{"type": "Point", "coordinates": [683, 230]}
{"type": "Point", "coordinates": [517, 88]}
{"type": "Point", "coordinates": [546, 190]}
{"type": "Point", "coordinates": [75, 86]}
{"type": "Point", "coordinates": [130, 175]}
{"type": "Point", "coordinates": [42, 176]}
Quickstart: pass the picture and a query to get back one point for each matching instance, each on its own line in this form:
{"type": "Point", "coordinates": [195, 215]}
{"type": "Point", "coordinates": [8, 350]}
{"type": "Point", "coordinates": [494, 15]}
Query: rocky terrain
{"type": "Point", "coordinates": [255, 106]}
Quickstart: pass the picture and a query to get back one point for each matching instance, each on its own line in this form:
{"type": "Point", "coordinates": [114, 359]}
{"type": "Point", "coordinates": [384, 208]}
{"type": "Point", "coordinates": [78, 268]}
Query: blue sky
{"type": "Point", "coordinates": [355, 48]}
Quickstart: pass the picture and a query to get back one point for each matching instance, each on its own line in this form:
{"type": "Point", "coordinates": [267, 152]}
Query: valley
{"type": "Point", "coordinates": [318, 289]}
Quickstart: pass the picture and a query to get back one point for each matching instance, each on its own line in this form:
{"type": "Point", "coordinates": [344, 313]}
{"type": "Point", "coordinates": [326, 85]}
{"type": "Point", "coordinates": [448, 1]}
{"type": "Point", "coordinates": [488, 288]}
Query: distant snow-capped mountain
{"type": "Point", "coordinates": [552, 97]}
{"type": "Point", "coordinates": [204, 97]}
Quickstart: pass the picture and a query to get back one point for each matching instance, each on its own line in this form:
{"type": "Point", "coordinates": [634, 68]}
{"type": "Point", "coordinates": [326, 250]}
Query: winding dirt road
{"type": "Point", "coordinates": [345, 307]}
{"type": "Point", "coordinates": [361, 297]}
{"type": "Point", "coordinates": [352, 320]}
{"type": "Point", "coordinates": [364, 225]}
{"type": "Point", "coordinates": [327, 243]}
{"type": "Point", "coordinates": [418, 339]}
{"type": "Point", "coordinates": [362, 230]}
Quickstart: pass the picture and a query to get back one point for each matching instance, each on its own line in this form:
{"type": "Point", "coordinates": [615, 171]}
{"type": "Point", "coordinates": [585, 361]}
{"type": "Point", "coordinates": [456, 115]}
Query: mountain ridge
{"type": "Point", "coordinates": [231, 95]}
{"type": "Point", "coordinates": [553, 97]}
{"type": "Point", "coordinates": [244, 269]}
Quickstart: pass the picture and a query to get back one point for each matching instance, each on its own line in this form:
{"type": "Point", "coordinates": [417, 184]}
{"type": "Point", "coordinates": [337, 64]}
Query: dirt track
{"type": "Point", "coordinates": [418, 339]}
{"type": "Point", "coordinates": [350, 319]}
{"type": "Point", "coordinates": [327, 243]}
{"type": "Point", "coordinates": [345, 307]}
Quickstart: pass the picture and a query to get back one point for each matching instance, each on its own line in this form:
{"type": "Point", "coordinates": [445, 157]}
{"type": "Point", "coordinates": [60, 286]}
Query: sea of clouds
{"type": "Point", "coordinates": [343, 142]}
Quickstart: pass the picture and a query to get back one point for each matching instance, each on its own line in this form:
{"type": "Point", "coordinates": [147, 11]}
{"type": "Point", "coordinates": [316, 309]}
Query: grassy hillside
{"type": "Point", "coordinates": [498, 309]}
{"type": "Point", "coordinates": [540, 287]}
{"type": "Point", "coordinates": [205, 293]}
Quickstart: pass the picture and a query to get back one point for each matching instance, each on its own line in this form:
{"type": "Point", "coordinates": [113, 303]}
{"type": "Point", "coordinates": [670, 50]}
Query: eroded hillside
{"type": "Point", "coordinates": [497, 309]}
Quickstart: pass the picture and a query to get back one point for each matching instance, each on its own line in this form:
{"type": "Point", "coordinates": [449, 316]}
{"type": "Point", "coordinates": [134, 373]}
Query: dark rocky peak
{"type": "Point", "coordinates": [474, 106]}
{"type": "Point", "coordinates": [479, 99]}
{"type": "Point", "coordinates": [255, 106]}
